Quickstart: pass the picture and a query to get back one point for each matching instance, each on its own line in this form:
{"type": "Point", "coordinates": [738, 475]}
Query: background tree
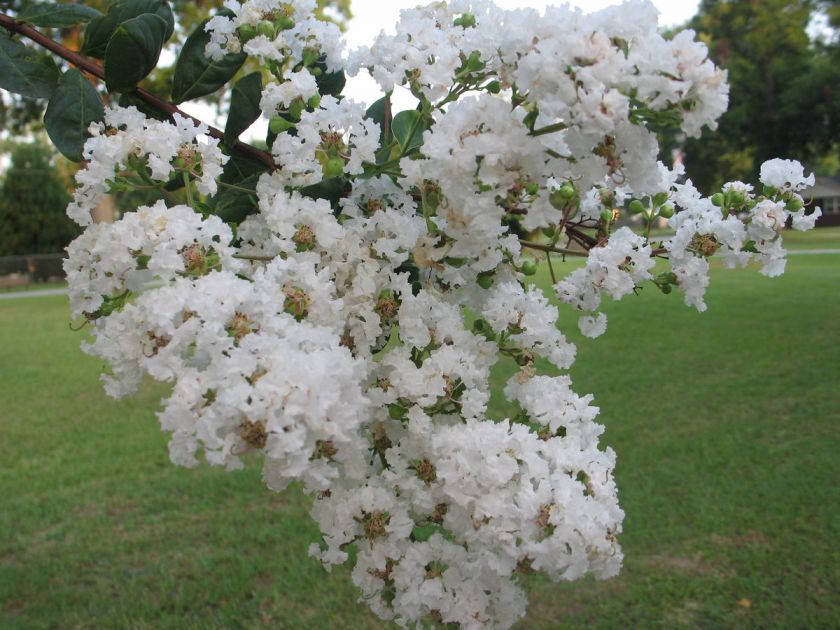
{"type": "Point", "coordinates": [785, 87]}
{"type": "Point", "coordinates": [33, 197]}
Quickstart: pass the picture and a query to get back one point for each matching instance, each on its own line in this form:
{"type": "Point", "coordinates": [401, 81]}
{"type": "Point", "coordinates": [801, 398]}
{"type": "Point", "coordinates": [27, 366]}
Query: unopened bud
{"type": "Point", "coordinates": [485, 281]}
{"type": "Point", "coordinates": [636, 207]}
{"type": "Point", "coordinates": [528, 268]}
{"type": "Point", "coordinates": [247, 32]}
{"type": "Point", "coordinates": [795, 204]}
{"type": "Point", "coordinates": [467, 20]}
{"type": "Point", "coordinates": [660, 198]}
{"type": "Point", "coordinates": [334, 168]}
{"type": "Point", "coordinates": [278, 125]}
{"type": "Point", "coordinates": [494, 87]}
{"type": "Point", "coordinates": [718, 200]}
{"type": "Point", "coordinates": [666, 211]}
{"type": "Point", "coordinates": [284, 23]}
{"type": "Point", "coordinates": [266, 29]}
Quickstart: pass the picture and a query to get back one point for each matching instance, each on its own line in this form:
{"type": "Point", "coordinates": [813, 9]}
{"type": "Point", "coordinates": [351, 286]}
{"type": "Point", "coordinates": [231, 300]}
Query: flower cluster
{"type": "Point", "coordinates": [344, 328]}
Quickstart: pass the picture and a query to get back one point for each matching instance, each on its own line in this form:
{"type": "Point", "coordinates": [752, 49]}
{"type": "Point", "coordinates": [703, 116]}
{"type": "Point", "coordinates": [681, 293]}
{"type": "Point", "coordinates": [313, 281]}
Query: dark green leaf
{"type": "Point", "coordinates": [244, 106]}
{"type": "Point", "coordinates": [331, 189]}
{"type": "Point", "coordinates": [133, 51]}
{"type": "Point", "coordinates": [240, 168]}
{"type": "Point", "coordinates": [329, 82]}
{"type": "Point", "coordinates": [24, 70]}
{"type": "Point", "coordinates": [405, 124]}
{"type": "Point", "coordinates": [232, 206]}
{"type": "Point", "coordinates": [53, 15]}
{"type": "Point", "coordinates": [197, 75]}
{"type": "Point", "coordinates": [99, 30]}
{"type": "Point", "coordinates": [376, 112]}
{"type": "Point", "coordinates": [73, 106]}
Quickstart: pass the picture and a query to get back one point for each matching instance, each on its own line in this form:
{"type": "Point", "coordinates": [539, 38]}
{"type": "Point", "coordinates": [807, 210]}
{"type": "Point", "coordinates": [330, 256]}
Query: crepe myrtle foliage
{"type": "Point", "coordinates": [334, 305]}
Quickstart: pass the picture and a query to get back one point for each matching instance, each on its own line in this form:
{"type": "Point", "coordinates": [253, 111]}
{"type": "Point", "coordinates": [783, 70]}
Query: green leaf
{"type": "Point", "coordinates": [133, 51]}
{"type": "Point", "coordinates": [197, 75]}
{"type": "Point", "coordinates": [100, 29]}
{"type": "Point", "coordinates": [73, 106]}
{"type": "Point", "coordinates": [240, 168]}
{"type": "Point", "coordinates": [53, 15]}
{"type": "Point", "coordinates": [328, 82]}
{"type": "Point", "coordinates": [232, 206]}
{"type": "Point", "coordinates": [244, 106]}
{"type": "Point", "coordinates": [24, 70]}
{"type": "Point", "coordinates": [402, 126]}
{"type": "Point", "coordinates": [331, 189]}
{"type": "Point", "coordinates": [376, 112]}
{"type": "Point", "coordinates": [331, 83]}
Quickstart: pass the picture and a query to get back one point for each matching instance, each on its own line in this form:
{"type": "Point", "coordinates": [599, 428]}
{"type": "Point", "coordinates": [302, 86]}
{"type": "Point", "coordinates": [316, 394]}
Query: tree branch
{"type": "Point", "coordinates": [93, 68]}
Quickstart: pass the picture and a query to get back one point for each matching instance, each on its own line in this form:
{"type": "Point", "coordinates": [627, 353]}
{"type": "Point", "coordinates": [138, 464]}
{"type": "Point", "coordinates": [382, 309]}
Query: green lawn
{"type": "Point", "coordinates": [727, 426]}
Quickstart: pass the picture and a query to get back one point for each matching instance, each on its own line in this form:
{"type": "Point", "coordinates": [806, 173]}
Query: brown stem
{"type": "Point", "coordinates": [549, 248]}
{"type": "Point", "coordinates": [93, 68]}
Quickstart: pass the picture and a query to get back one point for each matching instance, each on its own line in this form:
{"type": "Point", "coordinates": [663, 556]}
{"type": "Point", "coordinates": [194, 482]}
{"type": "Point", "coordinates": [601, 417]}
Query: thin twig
{"type": "Point", "coordinates": [555, 250]}
{"type": "Point", "coordinates": [255, 257]}
{"type": "Point", "coordinates": [551, 268]}
{"type": "Point", "coordinates": [93, 68]}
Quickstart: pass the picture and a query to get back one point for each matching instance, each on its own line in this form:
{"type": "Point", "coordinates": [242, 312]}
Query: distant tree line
{"type": "Point", "coordinates": [783, 59]}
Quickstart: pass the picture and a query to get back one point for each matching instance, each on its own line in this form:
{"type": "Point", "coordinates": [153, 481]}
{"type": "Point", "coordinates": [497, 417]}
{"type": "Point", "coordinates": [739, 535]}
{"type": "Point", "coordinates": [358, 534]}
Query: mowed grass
{"type": "Point", "coordinates": [726, 424]}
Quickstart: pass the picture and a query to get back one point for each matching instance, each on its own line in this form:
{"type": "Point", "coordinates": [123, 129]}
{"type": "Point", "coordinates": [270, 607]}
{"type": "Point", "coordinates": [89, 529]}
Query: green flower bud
{"type": "Point", "coordinates": [296, 109]}
{"type": "Point", "coordinates": [718, 200]}
{"type": "Point", "coordinates": [528, 268]}
{"type": "Point", "coordinates": [556, 200]}
{"type": "Point", "coordinates": [494, 87]}
{"type": "Point", "coordinates": [567, 190]}
{"type": "Point", "coordinates": [314, 101]}
{"type": "Point", "coordinates": [284, 23]}
{"type": "Point", "coordinates": [467, 20]}
{"type": "Point", "coordinates": [485, 280]}
{"type": "Point", "coordinates": [396, 411]}
{"type": "Point", "coordinates": [660, 198]}
{"type": "Point", "coordinates": [532, 189]}
{"type": "Point", "coordinates": [474, 62]}
{"type": "Point", "coordinates": [278, 125]}
{"type": "Point", "coordinates": [266, 29]}
{"type": "Point", "coordinates": [636, 207]}
{"type": "Point", "coordinates": [247, 32]}
{"type": "Point", "coordinates": [607, 216]}
{"type": "Point", "coordinates": [666, 211]}
{"type": "Point", "coordinates": [795, 204]}
{"type": "Point", "coordinates": [334, 168]}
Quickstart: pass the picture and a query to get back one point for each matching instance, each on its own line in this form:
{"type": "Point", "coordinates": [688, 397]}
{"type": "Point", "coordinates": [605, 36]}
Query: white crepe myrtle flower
{"type": "Point", "coordinates": [127, 134]}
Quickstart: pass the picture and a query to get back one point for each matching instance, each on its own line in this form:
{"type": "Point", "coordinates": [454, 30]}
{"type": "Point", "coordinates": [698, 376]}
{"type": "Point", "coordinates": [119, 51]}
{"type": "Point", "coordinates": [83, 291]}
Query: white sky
{"type": "Point", "coordinates": [373, 16]}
